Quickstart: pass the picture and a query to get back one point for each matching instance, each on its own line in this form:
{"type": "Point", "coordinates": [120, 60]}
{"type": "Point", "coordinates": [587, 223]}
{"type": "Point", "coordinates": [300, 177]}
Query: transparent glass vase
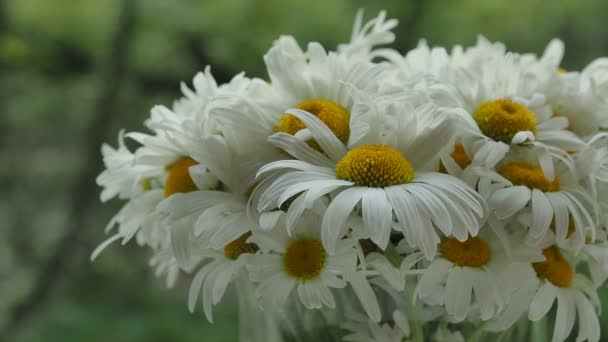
{"type": "Point", "coordinates": [291, 322]}
{"type": "Point", "coordinates": [294, 323]}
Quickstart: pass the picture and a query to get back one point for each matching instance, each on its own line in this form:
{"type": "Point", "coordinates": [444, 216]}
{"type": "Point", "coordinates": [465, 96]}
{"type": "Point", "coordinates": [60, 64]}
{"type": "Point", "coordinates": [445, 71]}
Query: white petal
{"type": "Point", "coordinates": [334, 219]}
{"type": "Point", "coordinates": [458, 290]}
{"type": "Point", "coordinates": [366, 295]}
{"type": "Point", "coordinates": [326, 139]}
{"type": "Point", "coordinates": [566, 314]}
{"type": "Point", "coordinates": [542, 214]}
{"type": "Point", "coordinates": [508, 201]}
{"type": "Point", "coordinates": [542, 302]}
{"type": "Point", "coordinates": [377, 216]}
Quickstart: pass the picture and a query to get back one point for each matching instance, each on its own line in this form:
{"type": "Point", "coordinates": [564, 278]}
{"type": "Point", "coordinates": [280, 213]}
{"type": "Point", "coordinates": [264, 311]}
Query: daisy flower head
{"type": "Point", "coordinates": [520, 187]}
{"type": "Point", "coordinates": [574, 293]}
{"type": "Point", "coordinates": [465, 276]}
{"type": "Point", "coordinates": [506, 108]}
{"type": "Point", "coordinates": [216, 269]}
{"type": "Point", "coordinates": [299, 262]}
{"type": "Point", "coordinates": [161, 166]}
{"type": "Point", "coordinates": [312, 80]}
{"type": "Point", "coordinates": [379, 172]}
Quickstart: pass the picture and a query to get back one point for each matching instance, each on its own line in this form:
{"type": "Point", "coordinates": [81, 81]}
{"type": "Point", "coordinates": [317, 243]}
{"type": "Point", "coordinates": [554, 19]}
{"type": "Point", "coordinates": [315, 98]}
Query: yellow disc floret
{"type": "Point", "coordinates": [502, 119]}
{"type": "Point", "coordinates": [375, 166]}
{"type": "Point", "coordinates": [304, 258]}
{"type": "Point", "coordinates": [530, 175]}
{"type": "Point", "coordinates": [178, 179]}
{"type": "Point", "coordinates": [336, 117]}
{"type": "Point", "coordinates": [240, 246]}
{"type": "Point", "coordinates": [555, 268]}
{"type": "Point", "coordinates": [474, 252]}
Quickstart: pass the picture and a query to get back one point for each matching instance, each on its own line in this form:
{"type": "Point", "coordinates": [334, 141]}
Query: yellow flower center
{"type": "Point", "coordinates": [530, 175]}
{"type": "Point", "coordinates": [336, 117]}
{"type": "Point", "coordinates": [239, 246]}
{"type": "Point", "coordinates": [474, 252]}
{"type": "Point", "coordinates": [555, 268]}
{"type": "Point", "coordinates": [375, 166]}
{"type": "Point", "coordinates": [304, 258]}
{"type": "Point", "coordinates": [178, 179]}
{"type": "Point", "coordinates": [460, 157]}
{"type": "Point", "coordinates": [502, 119]}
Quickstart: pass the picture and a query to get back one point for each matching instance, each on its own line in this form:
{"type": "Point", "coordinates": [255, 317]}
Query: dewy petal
{"type": "Point", "coordinates": [335, 217]}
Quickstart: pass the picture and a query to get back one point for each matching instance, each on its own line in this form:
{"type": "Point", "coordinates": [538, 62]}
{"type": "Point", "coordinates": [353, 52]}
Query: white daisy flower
{"type": "Point", "coordinates": [161, 165]}
{"type": "Point", "coordinates": [300, 262]}
{"type": "Point", "coordinates": [464, 278]}
{"type": "Point", "coordinates": [560, 205]}
{"type": "Point", "coordinates": [314, 80]}
{"type": "Point", "coordinates": [218, 269]}
{"type": "Point", "coordinates": [218, 216]}
{"type": "Point", "coordinates": [506, 108]}
{"type": "Point", "coordinates": [383, 172]}
{"type": "Point", "coordinates": [574, 294]}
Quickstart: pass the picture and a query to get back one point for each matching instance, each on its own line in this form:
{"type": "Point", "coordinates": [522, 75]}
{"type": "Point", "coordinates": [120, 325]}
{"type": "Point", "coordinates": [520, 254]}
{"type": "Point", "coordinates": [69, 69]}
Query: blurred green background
{"type": "Point", "coordinates": [73, 72]}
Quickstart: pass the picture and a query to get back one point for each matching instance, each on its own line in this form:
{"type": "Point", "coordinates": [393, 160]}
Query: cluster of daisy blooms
{"type": "Point", "coordinates": [433, 187]}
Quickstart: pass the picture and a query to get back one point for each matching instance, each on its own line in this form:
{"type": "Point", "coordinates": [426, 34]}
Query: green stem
{"type": "Point", "coordinates": [416, 325]}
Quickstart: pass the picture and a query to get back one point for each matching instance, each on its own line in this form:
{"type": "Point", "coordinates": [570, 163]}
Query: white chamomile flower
{"type": "Point", "coordinates": [219, 267]}
{"type": "Point", "coordinates": [314, 80]}
{"type": "Point", "coordinates": [218, 216]}
{"type": "Point", "coordinates": [381, 168]}
{"type": "Point", "coordinates": [504, 108]}
{"type": "Point", "coordinates": [464, 278]}
{"type": "Point", "coordinates": [560, 205]}
{"type": "Point", "coordinates": [299, 262]}
{"type": "Point", "coordinates": [574, 294]}
{"type": "Point", "coordinates": [161, 165]}
{"type": "Point", "coordinates": [572, 95]}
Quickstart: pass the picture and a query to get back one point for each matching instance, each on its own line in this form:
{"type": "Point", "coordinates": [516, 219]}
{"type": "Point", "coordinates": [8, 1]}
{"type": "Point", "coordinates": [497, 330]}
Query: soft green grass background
{"type": "Point", "coordinates": [52, 54]}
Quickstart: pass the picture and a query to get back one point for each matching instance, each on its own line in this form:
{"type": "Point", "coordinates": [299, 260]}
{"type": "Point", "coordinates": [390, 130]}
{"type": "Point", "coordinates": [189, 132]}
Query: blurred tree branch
{"type": "Point", "coordinates": [83, 192]}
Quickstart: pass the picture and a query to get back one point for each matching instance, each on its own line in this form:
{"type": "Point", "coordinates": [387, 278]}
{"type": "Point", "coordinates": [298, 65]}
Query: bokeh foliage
{"type": "Point", "coordinates": [53, 56]}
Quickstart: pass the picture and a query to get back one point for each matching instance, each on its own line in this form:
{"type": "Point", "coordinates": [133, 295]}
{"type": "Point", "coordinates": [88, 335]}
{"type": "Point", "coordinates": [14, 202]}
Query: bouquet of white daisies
{"type": "Point", "coordinates": [432, 195]}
